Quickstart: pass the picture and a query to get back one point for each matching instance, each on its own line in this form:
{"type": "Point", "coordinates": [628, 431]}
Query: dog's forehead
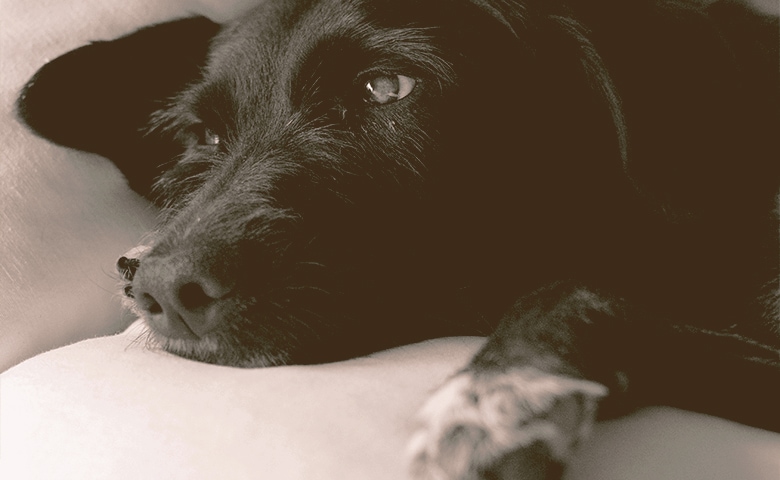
{"type": "Point", "coordinates": [264, 67]}
{"type": "Point", "coordinates": [283, 30]}
{"type": "Point", "coordinates": [255, 61]}
{"type": "Point", "coordinates": [287, 30]}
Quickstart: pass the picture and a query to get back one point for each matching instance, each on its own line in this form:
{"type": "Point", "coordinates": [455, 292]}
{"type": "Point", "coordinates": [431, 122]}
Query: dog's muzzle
{"type": "Point", "coordinates": [172, 294]}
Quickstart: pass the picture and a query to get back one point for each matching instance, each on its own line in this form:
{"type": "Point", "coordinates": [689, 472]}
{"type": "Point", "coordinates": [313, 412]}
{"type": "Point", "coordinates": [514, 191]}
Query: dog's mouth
{"type": "Point", "coordinates": [266, 325]}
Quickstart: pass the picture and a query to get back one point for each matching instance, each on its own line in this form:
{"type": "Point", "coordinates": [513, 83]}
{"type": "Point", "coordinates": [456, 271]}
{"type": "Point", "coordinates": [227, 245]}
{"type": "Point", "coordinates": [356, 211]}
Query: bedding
{"type": "Point", "coordinates": [98, 404]}
{"type": "Point", "coordinates": [110, 408]}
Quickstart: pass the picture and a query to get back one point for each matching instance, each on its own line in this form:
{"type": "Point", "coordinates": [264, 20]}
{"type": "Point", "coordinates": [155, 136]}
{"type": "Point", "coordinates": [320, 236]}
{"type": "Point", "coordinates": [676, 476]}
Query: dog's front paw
{"type": "Point", "coordinates": [517, 423]}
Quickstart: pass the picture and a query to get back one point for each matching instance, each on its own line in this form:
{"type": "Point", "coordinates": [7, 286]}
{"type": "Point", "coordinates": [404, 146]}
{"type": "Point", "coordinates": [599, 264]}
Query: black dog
{"type": "Point", "coordinates": [594, 180]}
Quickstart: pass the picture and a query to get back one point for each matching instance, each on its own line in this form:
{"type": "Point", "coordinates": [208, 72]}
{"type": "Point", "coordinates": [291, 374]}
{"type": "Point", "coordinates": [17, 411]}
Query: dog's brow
{"type": "Point", "coordinates": [213, 103]}
{"type": "Point", "coordinates": [416, 46]}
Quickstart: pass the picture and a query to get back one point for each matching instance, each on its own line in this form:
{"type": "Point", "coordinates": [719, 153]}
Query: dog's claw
{"type": "Point", "coordinates": [481, 422]}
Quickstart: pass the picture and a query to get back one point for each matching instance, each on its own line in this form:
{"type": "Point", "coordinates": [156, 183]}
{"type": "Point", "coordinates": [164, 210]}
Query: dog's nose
{"type": "Point", "coordinates": [181, 301]}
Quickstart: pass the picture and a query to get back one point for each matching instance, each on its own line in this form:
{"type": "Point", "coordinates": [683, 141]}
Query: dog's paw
{"type": "Point", "coordinates": [481, 423]}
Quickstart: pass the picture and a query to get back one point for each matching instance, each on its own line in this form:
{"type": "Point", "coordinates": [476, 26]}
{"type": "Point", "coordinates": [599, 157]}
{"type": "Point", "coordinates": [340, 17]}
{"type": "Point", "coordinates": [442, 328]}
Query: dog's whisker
{"type": "Point", "coordinates": [141, 338]}
{"type": "Point", "coordinates": [299, 288]}
{"type": "Point", "coordinates": [311, 264]}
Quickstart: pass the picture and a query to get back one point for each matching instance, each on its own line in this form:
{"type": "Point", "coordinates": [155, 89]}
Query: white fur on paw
{"type": "Point", "coordinates": [476, 419]}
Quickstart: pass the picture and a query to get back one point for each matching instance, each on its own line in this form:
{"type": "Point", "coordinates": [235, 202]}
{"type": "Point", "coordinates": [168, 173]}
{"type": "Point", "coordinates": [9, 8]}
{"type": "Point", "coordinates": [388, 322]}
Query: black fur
{"type": "Point", "coordinates": [610, 168]}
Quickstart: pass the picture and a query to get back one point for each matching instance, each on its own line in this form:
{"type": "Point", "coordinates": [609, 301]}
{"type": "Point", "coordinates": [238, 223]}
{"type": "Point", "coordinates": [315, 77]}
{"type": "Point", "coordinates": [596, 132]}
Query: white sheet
{"type": "Point", "coordinates": [108, 408]}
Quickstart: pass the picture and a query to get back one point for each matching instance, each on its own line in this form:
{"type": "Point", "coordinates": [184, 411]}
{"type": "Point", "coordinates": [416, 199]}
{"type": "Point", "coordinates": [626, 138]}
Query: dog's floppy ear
{"type": "Point", "coordinates": [575, 85]}
{"type": "Point", "coordinates": [99, 98]}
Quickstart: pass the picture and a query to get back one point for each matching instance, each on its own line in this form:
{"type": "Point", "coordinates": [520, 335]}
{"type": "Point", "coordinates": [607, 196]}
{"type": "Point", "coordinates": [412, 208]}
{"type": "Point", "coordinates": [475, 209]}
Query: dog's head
{"type": "Point", "coordinates": [340, 175]}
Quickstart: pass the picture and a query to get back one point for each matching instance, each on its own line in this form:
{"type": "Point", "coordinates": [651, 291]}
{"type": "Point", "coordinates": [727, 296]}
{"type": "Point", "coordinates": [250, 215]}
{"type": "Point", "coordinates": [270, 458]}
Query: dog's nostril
{"type": "Point", "coordinates": [192, 296]}
{"type": "Point", "coordinates": [155, 308]}
{"type": "Point", "coordinates": [149, 303]}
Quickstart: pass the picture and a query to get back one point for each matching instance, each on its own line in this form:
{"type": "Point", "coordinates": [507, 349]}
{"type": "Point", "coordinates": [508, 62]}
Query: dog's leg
{"type": "Point", "coordinates": [526, 393]}
{"type": "Point", "coordinates": [531, 394]}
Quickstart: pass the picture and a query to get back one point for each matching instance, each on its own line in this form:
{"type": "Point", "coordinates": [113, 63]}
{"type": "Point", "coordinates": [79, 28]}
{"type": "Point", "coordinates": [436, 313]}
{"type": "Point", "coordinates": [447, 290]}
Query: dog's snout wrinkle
{"type": "Point", "coordinates": [179, 300]}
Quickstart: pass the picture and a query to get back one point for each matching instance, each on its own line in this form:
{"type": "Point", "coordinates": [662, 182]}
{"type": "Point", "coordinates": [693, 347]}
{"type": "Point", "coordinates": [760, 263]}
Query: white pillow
{"type": "Point", "coordinates": [108, 408]}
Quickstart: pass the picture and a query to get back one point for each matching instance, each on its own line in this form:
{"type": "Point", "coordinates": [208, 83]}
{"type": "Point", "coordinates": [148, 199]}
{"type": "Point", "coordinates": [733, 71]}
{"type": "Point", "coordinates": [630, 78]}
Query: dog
{"type": "Point", "coordinates": [593, 184]}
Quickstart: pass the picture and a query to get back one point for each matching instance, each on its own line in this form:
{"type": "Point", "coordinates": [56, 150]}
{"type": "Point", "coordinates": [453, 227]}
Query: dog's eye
{"type": "Point", "coordinates": [210, 137]}
{"type": "Point", "coordinates": [205, 136]}
{"type": "Point", "coordinates": [384, 89]}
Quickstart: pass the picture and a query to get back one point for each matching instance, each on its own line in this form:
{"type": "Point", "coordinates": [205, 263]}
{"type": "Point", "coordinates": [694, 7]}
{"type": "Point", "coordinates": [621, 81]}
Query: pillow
{"type": "Point", "coordinates": [111, 408]}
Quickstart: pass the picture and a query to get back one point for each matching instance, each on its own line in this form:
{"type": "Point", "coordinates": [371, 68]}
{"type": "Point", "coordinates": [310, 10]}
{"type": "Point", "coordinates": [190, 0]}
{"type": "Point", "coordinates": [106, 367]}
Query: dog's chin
{"type": "Point", "coordinates": [214, 348]}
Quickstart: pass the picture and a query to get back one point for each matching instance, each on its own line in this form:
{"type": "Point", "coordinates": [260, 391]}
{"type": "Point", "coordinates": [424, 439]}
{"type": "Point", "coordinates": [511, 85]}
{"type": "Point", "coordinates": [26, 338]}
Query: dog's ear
{"type": "Point", "coordinates": [572, 79]}
{"type": "Point", "coordinates": [99, 98]}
